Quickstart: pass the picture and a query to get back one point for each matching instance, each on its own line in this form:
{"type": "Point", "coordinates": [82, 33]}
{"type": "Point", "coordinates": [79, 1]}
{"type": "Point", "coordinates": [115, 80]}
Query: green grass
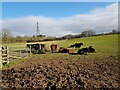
{"type": "Point", "coordinates": [15, 62]}
{"type": "Point", "coordinates": [105, 46]}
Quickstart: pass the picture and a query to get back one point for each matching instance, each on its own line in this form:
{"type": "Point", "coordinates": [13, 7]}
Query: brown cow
{"type": "Point", "coordinates": [53, 48]}
{"type": "Point", "coordinates": [65, 50]}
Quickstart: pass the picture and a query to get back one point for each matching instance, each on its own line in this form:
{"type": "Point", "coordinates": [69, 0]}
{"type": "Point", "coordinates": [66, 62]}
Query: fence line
{"type": "Point", "coordinates": [8, 54]}
{"type": "Point", "coordinates": [4, 54]}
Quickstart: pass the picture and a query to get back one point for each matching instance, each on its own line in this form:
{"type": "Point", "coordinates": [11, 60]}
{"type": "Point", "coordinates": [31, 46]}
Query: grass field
{"type": "Point", "coordinates": [105, 46]}
{"type": "Point", "coordinates": [94, 70]}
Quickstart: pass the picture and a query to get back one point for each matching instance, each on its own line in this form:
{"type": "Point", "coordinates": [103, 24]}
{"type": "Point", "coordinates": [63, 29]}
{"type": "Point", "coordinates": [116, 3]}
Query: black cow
{"type": "Point", "coordinates": [37, 48]}
{"type": "Point", "coordinates": [83, 51]}
{"type": "Point", "coordinates": [90, 49]}
{"type": "Point", "coordinates": [86, 50]}
{"type": "Point", "coordinates": [72, 46]}
{"type": "Point", "coordinates": [76, 45]}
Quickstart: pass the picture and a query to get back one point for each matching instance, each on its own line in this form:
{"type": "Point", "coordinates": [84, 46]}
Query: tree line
{"type": "Point", "coordinates": [7, 37]}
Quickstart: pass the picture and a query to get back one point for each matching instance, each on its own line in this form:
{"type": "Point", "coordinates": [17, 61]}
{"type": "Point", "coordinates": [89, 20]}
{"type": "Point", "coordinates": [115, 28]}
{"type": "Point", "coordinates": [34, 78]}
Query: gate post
{"type": "Point", "coordinates": [7, 49]}
{"type": "Point", "coordinates": [0, 57]}
{"type": "Point", "coordinates": [20, 53]}
{"type": "Point", "coordinates": [30, 50]}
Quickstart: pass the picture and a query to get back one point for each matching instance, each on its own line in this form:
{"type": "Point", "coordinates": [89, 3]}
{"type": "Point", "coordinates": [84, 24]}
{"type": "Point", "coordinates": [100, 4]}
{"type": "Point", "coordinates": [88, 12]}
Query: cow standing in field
{"type": "Point", "coordinates": [76, 45]}
{"type": "Point", "coordinates": [72, 46]}
{"type": "Point", "coordinates": [37, 48]}
{"type": "Point", "coordinates": [53, 48]}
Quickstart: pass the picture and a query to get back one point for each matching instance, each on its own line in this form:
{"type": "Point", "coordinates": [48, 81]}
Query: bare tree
{"type": "Point", "coordinates": [88, 33]}
{"type": "Point", "coordinates": [6, 36]}
{"type": "Point", "coordinates": [6, 33]}
{"type": "Point", "coordinates": [114, 31]}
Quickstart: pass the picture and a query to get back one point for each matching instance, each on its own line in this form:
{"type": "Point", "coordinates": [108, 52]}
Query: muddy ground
{"type": "Point", "coordinates": [59, 72]}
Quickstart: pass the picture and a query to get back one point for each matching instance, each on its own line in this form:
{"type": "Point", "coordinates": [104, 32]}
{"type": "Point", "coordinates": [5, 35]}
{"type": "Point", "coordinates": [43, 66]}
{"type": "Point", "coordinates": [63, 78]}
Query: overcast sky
{"type": "Point", "coordinates": [58, 19]}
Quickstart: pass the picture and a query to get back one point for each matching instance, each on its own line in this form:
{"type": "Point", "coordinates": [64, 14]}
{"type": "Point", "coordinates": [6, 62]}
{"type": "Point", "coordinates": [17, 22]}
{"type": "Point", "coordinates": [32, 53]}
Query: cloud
{"type": "Point", "coordinates": [99, 19]}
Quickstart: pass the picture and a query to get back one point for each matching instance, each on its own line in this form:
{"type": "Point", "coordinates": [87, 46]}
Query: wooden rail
{"type": "Point", "coordinates": [11, 53]}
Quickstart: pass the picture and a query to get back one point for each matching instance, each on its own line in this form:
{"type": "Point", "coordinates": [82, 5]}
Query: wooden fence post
{"type": "Point", "coordinates": [30, 50]}
{"type": "Point", "coordinates": [0, 58]}
{"type": "Point", "coordinates": [7, 54]}
{"type": "Point", "coordinates": [20, 52]}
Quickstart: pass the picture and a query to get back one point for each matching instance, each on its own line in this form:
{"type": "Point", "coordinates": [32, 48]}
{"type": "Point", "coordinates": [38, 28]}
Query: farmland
{"type": "Point", "coordinates": [99, 42]}
{"type": "Point", "coordinates": [104, 45]}
{"type": "Point", "coordinates": [94, 70]}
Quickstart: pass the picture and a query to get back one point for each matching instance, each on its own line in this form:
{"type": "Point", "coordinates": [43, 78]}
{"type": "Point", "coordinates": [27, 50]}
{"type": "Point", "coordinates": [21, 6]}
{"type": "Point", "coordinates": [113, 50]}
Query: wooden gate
{"type": "Point", "coordinates": [9, 54]}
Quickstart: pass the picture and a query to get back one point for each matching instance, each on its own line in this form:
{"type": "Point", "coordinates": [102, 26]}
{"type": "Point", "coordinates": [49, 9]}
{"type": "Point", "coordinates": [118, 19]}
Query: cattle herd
{"type": "Point", "coordinates": [41, 49]}
{"type": "Point", "coordinates": [70, 49]}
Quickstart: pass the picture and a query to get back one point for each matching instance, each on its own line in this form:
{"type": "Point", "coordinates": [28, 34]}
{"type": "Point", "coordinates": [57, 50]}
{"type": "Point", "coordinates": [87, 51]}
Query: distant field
{"type": "Point", "coordinates": [104, 45]}
{"type": "Point", "coordinates": [107, 44]}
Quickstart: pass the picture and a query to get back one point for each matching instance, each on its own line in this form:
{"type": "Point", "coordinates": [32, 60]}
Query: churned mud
{"type": "Point", "coordinates": [61, 72]}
